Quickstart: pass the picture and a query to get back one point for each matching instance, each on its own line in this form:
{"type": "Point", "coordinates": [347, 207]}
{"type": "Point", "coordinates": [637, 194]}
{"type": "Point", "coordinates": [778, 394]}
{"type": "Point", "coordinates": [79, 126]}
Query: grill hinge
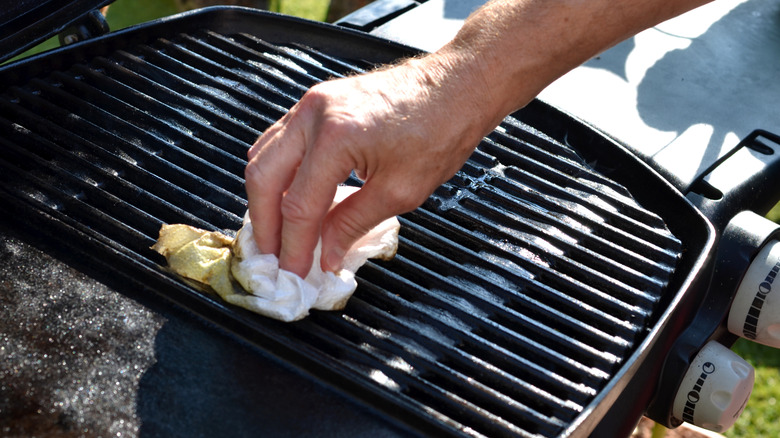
{"type": "Point", "coordinates": [89, 26]}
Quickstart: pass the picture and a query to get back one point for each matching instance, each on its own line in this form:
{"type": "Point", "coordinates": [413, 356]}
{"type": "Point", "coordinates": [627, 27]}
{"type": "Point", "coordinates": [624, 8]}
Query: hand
{"type": "Point", "coordinates": [407, 129]}
{"type": "Point", "coordinates": [404, 130]}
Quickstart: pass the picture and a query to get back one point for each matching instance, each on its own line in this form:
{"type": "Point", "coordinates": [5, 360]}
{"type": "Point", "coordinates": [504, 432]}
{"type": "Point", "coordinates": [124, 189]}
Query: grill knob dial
{"type": "Point", "coordinates": [715, 388]}
{"type": "Point", "coordinates": [755, 311]}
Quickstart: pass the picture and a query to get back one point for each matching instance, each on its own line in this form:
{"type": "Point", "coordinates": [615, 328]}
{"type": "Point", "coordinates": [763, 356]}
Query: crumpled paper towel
{"type": "Point", "coordinates": [237, 271]}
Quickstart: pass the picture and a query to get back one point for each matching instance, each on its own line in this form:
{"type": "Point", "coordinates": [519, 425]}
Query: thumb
{"type": "Point", "coordinates": [352, 219]}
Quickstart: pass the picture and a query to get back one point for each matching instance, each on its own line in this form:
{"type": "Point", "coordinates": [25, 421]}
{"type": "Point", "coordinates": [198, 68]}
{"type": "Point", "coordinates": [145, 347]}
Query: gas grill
{"type": "Point", "coordinates": [532, 295]}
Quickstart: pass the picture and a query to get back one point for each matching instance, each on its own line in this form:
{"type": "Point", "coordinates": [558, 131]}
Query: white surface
{"type": "Point", "coordinates": [430, 25]}
{"type": "Point", "coordinates": [670, 84]}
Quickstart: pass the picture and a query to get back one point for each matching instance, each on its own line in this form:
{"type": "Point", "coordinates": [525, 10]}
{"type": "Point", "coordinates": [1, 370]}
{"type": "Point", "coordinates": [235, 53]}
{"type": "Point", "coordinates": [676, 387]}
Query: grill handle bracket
{"type": "Point", "coordinates": [744, 179]}
{"type": "Point", "coordinates": [89, 26]}
{"type": "Point", "coordinates": [741, 241]}
{"type": "Point", "coordinates": [376, 14]}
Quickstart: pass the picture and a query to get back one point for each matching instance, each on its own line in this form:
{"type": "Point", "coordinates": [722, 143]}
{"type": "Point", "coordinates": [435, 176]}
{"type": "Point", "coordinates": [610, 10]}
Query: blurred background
{"type": "Point", "coordinates": [124, 13]}
{"type": "Point", "coordinates": [762, 415]}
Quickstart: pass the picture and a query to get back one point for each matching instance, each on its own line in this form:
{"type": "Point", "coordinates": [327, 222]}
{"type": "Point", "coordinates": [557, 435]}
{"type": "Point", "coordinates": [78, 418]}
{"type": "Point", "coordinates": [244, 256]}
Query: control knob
{"type": "Point", "coordinates": [755, 311]}
{"type": "Point", "coordinates": [715, 388]}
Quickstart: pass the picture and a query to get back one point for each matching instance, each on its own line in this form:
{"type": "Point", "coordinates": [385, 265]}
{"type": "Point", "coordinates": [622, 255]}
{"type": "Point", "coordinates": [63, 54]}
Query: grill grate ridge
{"type": "Point", "coordinates": [457, 277]}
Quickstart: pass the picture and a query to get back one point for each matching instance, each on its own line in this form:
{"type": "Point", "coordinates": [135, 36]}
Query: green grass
{"type": "Point", "coordinates": [311, 9]}
{"type": "Point", "coordinates": [121, 14]}
{"type": "Point", "coordinates": [124, 13]}
{"type": "Point", "coordinates": [762, 414]}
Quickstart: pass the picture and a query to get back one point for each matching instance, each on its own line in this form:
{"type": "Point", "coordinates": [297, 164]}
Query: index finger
{"type": "Point", "coordinates": [306, 203]}
{"type": "Point", "coordinates": [273, 161]}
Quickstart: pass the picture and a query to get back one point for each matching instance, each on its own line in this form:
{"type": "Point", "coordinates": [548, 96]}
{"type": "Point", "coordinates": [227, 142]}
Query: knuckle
{"type": "Point", "coordinates": [254, 174]}
{"type": "Point", "coordinates": [350, 226]}
{"type": "Point", "coordinates": [403, 198]}
{"type": "Point", "coordinates": [318, 96]}
{"type": "Point", "coordinates": [294, 209]}
{"type": "Point", "coordinates": [337, 121]}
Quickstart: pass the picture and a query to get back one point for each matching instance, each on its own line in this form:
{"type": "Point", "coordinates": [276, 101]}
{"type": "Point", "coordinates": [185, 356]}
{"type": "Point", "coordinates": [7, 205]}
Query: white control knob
{"type": "Point", "coordinates": [755, 311]}
{"type": "Point", "coordinates": [715, 388]}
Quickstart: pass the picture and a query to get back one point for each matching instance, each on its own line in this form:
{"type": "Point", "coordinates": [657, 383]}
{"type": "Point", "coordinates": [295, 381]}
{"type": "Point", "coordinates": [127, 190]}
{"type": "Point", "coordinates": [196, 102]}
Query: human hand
{"type": "Point", "coordinates": [407, 129]}
{"type": "Point", "coordinates": [404, 130]}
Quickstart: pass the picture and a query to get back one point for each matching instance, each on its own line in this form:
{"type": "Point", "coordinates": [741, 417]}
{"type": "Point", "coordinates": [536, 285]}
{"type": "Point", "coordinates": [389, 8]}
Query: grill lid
{"type": "Point", "coordinates": [25, 23]}
{"type": "Point", "coordinates": [519, 291]}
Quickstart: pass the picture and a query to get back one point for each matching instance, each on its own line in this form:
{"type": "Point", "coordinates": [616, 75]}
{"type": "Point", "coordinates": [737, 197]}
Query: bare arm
{"type": "Point", "coordinates": [409, 128]}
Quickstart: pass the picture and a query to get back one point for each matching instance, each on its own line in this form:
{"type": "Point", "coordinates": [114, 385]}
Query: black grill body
{"type": "Point", "coordinates": [25, 23]}
{"type": "Point", "coordinates": [525, 297]}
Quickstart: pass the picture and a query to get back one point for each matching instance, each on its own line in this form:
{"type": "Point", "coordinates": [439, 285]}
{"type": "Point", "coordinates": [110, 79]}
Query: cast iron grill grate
{"type": "Point", "coordinates": [519, 288]}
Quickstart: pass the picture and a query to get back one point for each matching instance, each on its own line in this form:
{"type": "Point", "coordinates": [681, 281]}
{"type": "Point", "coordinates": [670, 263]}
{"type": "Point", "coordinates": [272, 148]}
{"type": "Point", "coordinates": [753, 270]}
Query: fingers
{"type": "Point", "coordinates": [354, 217]}
{"type": "Point", "coordinates": [291, 178]}
{"type": "Point", "coordinates": [307, 202]}
{"type": "Point", "coordinates": [284, 145]}
{"type": "Point", "coordinates": [269, 133]}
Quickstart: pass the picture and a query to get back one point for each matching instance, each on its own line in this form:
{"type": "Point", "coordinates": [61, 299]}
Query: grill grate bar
{"type": "Point", "coordinates": [601, 198]}
{"type": "Point", "coordinates": [522, 245]}
{"type": "Point", "coordinates": [522, 218]}
{"type": "Point", "coordinates": [588, 181]}
{"type": "Point", "coordinates": [395, 314]}
{"type": "Point", "coordinates": [135, 185]}
{"type": "Point", "coordinates": [583, 313]}
{"type": "Point", "coordinates": [485, 409]}
{"type": "Point", "coordinates": [577, 362]}
{"type": "Point", "coordinates": [291, 81]}
{"type": "Point", "coordinates": [555, 207]}
{"type": "Point", "coordinates": [331, 62]}
{"type": "Point", "coordinates": [273, 88]}
{"type": "Point", "coordinates": [59, 165]}
{"type": "Point", "coordinates": [434, 300]}
{"type": "Point", "coordinates": [302, 70]}
{"type": "Point", "coordinates": [173, 128]}
{"type": "Point", "coordinates": [577, 347]}
{"type": "Point", "coordinates": [129, 156]}
{"type": "Point", "coordinates": [44, 192]}
{"type": "Point", "coordinates": [114, 114]}
{"type": "Point", "coordinates": [213, 116]}
{"type": "Point", "coordinates": [568, 170]}
{"type": "Point", "coordinates": [581, 218]}
{"type": "Point", "coordinates": [257, 106]}
{"type": "Point", "coordinates": [176, 113]}
{"type": "Point", "coordinates": [527, 267]}
{"type": "Point", "coordinates": [179, 94]}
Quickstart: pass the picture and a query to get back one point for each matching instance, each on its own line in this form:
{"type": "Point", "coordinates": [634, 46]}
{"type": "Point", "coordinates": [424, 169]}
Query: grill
{"type": "Point", "coordinates": [524, 291]}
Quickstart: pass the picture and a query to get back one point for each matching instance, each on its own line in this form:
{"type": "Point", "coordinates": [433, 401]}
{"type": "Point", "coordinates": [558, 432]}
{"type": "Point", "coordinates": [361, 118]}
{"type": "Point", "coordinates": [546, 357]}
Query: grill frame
{"type": "Point", "coordinates": [692, 225]}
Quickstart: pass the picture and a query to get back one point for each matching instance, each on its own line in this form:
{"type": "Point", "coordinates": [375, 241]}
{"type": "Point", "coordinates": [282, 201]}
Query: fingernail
{"type": "Point", "coordinates": [333, 259]}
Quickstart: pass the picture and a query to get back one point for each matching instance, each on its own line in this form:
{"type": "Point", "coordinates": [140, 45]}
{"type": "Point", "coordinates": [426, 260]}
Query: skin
{"type": "Point", "coordinates": [408, 128]}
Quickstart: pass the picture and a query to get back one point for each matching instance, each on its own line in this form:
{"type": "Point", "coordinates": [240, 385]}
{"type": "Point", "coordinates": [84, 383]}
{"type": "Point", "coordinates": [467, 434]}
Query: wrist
{"type": "Point", "coordinates": [457, 81]}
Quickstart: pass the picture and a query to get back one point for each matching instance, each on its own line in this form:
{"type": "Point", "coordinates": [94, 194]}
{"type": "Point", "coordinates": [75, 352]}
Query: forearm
{"type": "Point", "coordinates": [510, 50]}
